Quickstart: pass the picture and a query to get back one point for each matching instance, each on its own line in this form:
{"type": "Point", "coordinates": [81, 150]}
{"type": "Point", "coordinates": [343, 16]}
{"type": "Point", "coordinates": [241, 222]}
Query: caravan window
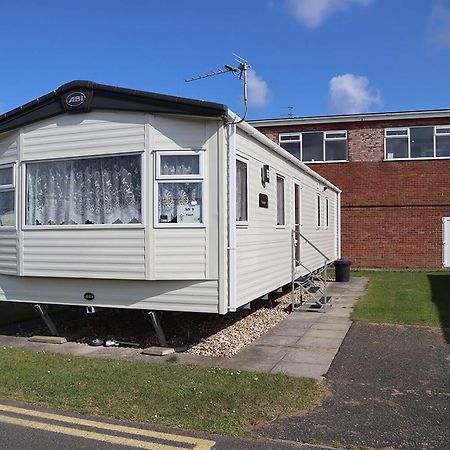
{"type": "Point", "coordinates": [88, 191]}
{"type": "Point", "coordinates": [319, 213]}
{"type": "Point", "coordinates": [179, 188]}
{"type": "Point", "coordinates": [280, 201]}
{"type": "Point", "coordinates": [241, 191]}
{"type": "Point", "coordinates": [7, 196]}
{"type": "Point", "coordinates": [185, 164]}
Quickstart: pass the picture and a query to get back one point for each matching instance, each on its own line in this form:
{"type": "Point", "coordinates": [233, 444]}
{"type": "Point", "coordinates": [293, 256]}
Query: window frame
{"type": "Point", "coordinates": [26, 226]}
{"type": "Point", "coordinates": [318, 212]}
{"type": "Point", "coordinates": [408, 136]}
{"type": "Point", "coordinates": [327, 213]}
{"type": "Point", "coordinates": [325, 139]}
{"type": "Point", "coordinates": [197, 152]}
{"type": "Point", "coordinates": [11, 188]}
{"type": "Point", "coordinates": [281, 177]}
{"type": "Point", "coordinates": [181, 178]}
{"type": "Point", "coordinates": [244, 223]}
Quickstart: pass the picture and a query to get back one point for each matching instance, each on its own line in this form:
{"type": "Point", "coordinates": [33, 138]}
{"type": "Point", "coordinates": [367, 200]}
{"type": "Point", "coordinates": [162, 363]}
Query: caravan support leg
{"type": "Point", "coordinates": [158, 329]}
{"type": "Point", "coordinates": [46, 318]}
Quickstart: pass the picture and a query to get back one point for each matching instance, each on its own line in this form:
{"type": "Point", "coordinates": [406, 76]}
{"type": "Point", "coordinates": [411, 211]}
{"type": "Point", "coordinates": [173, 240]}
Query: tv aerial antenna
{"type": "Point", "coordinates": [240, 71]}
{"type": "Point", "coordinates": [290, 111]}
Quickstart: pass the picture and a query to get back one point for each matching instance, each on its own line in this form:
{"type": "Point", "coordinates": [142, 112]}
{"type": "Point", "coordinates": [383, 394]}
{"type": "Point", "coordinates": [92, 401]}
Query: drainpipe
{"type": "Point", "coordinates": [232, 290]}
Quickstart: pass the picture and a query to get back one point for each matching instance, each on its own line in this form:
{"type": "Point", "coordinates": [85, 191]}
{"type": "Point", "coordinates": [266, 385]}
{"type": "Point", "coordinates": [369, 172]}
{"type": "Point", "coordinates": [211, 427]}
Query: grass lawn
{"type": "Point", "coordinates": [190, 397]}
{"type": "Point", "coordinates": [411, 298]}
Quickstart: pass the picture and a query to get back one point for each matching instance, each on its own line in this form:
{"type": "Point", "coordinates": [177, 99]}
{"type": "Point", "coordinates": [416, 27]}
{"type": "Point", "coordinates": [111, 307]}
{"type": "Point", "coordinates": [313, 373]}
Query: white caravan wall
{"type": "Point", "coordinates": [85, 253]}
{"type": "Point", "coordinates": [8, 237]}
{"type": "Point", "coordinates": [199, 296]}
{"type": "Point", "coordinates": [263, 248]}
{"type": "Point", "coordinates": [187, 253]}
{"type": "Point", "coordinates": [8, 147]}
{"type": "Point", "coordinates": [89, 134]}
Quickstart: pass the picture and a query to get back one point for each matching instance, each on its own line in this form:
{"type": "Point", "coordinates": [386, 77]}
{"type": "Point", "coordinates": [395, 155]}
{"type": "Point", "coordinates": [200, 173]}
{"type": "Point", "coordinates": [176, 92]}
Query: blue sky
{"type": "Point", "coordinates": [319, 56]}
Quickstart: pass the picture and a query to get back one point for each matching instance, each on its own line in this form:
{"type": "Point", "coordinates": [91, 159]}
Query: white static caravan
{"type": "Point", "coordinates": [111, 197]}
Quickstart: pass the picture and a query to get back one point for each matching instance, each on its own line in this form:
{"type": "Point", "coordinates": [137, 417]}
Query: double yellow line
{"type": "Point", "coordinates": [197, 443]}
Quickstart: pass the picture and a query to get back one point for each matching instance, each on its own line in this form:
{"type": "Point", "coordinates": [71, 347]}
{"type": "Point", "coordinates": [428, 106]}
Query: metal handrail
{"type": "Point", "coordinates": [313, 245]}
{"type": "Point", "coordinates": [294, 264]}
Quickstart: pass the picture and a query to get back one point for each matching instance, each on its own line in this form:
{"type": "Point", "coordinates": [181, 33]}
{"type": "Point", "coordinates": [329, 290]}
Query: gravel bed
{"type": "Point", "coordinates": [227, 342]}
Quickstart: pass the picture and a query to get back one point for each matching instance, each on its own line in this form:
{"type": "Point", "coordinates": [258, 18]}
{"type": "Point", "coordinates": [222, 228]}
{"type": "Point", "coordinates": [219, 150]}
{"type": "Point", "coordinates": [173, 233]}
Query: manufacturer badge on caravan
{"type": "Point", "coordinates": [75, 99]}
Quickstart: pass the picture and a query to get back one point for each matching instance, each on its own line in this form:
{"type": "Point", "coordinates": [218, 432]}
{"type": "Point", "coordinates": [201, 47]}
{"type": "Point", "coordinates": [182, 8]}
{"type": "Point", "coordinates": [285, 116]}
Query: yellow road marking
{"type": "Point", "coordinates": [199, 444]}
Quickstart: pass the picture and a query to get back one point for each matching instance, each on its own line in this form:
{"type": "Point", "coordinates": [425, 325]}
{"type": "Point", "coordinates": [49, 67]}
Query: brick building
{"type": "Point", "coordinates": [394, 171]}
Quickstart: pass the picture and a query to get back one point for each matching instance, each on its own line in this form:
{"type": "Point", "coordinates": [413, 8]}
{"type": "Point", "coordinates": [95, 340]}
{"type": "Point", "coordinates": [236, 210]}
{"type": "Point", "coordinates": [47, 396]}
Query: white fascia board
{"type": "Point", "coordinates": [263, 139]}
{"type": "Point", "coordinates": [431, 114]}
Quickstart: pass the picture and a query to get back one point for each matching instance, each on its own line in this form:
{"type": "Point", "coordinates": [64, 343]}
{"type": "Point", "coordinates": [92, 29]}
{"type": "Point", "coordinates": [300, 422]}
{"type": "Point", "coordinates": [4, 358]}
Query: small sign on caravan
{"type": "Point", "coordinates": [188, 214]}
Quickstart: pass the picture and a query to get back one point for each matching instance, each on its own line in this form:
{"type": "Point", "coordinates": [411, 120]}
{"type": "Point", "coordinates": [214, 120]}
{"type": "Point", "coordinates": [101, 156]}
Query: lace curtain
{"type": "Point", "coordinates": [85, 191]}
{"type": "Point", "coordinates": [179, 202]}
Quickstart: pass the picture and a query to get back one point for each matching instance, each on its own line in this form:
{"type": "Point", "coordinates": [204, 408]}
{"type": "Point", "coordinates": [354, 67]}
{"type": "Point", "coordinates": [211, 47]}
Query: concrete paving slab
{"type": "Point", "coordinates": [330, 325]}
{"type": "Point", "coordinates": [295, 330]}
{"type": "Point", "coordinates": [319, 343]}
{"type": "Point", "coordinates": [313, 356]}
{"type": "Point", "coordinates": [278, 340]}
{"type": "Point", "coordinates": [325, 334]}
{"type": "Point", "coordinates": [307, 370]}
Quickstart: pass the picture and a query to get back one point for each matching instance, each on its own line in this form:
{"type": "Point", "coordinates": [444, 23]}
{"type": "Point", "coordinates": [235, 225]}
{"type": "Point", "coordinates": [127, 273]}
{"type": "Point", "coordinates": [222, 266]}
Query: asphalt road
{"type": "Point", "coordinates": [26, 427]}
{"type": "Point", "coordinates": [389, 387]}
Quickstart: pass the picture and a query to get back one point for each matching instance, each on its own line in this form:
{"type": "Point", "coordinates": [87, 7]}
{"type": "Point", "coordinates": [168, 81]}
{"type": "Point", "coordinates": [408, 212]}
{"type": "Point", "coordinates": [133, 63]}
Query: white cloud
{"type": "Point", "coordinates": [313, 13]}
{"type": "Point", "coordinates": [352, 94]}
{"type": "Point", "coordinates": [439, 27]}
{"type": "Point", "coordinates": [258, 90]}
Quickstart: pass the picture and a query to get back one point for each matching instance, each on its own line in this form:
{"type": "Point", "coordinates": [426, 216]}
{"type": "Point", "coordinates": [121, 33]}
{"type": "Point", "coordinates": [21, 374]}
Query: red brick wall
{"type": "Point", "coordinates": [391, 210]}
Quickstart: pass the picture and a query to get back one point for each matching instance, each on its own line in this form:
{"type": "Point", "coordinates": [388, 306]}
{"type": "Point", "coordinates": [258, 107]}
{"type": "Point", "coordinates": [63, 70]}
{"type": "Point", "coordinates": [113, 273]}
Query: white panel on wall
{"type": "Point", "coordinates": [179, 132]}
{"type": "Point", "coordinates": [92, 253]}
{"type": "Point", "coordinates": [8, 146]}
{"type": "Point", "coordinates": [191, 296]}
{"type": "Point", "coordinates": [8, 252]}
{"type": "Point", "coordinates": [87, 134]}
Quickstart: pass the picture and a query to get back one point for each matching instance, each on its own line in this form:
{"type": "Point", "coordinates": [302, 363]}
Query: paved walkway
{"type": "Point", "coordinates": [304, 344]}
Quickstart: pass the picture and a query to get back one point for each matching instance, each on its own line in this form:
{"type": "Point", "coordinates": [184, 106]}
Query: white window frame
{"type": "Point", "coordinates": [244, 223]}
{"type": "Point", "coordinates": [318, 211]}
{"type": "Point", "coordinates": [325, 138]}
{"type": "Point", "coordinates": [327, 213]}
{"type": "Point", "coordinates": [282, 177]}
{"type": "Point", "coordinates": [26, 226]}
{"type": "Point", "coordinates": [408, 136]}
{"type": "Point", "coordinates": [181, 178]}
{"type": "Point", "coordinates": [199, 153]}
{"type": "Point", "coordinates": [10, 188]}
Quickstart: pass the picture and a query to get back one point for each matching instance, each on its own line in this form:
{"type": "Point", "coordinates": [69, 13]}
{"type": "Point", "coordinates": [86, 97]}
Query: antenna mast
{"type": "Point", "coordinates": [290, 112]}
{"type": "Point", "coordinates": [240, 71]}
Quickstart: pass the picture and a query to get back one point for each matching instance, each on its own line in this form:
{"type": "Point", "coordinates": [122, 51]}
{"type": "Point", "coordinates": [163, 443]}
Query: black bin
{"type": "Point", "coordinates": [342, 270]}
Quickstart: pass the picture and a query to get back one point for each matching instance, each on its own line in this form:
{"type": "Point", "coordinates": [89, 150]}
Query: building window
{"type": "Point", "coordinates": [241, 192]}
{"type": "Point", "coordinates": [179, 189]}
{"type": "Point", "coordinates": [7, 196]}
{"type": "Point", "coordinates": [319, 213]}
{"type": "Point", "coordinates": [318, 146]}
{"type": "Point", "coordinates": [281, 220]}
{"type": "Point", "coordinates": [327, 212]}
{"type": "Point", "coordinates": [88, 191]}
{"type": "Point", "coordinates": [417, 142]}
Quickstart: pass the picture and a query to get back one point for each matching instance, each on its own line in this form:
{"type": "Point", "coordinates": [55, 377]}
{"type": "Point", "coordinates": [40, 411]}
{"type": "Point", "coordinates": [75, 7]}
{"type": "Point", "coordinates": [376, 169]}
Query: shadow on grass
{"type": "Point", "coordinates": [440, 296]}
